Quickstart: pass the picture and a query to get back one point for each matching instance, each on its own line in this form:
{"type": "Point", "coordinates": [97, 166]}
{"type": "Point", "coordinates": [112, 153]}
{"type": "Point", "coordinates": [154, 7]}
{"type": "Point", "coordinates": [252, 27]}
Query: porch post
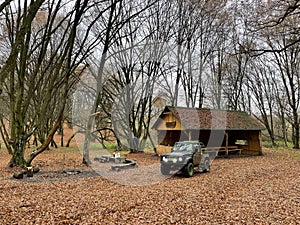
{"type": "Point", "coordinates": [226, 143]}
{"type": "Point", "coordinates": [260, 142]}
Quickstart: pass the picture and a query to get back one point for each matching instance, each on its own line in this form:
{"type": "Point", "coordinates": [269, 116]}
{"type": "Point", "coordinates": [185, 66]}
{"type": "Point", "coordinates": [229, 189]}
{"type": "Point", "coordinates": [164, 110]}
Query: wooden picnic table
{"type": "Point", "coordinates": [226, 149]}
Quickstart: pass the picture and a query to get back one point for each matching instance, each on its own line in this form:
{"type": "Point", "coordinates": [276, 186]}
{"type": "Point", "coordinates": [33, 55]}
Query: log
{"type": "Point", "coordinates": [127, 164]}
{"type": "Point", "coordinates": [36, 169]}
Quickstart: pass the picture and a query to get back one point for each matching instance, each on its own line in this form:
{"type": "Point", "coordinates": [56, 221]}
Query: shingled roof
{"type": "Point", "coordinates": [211, 119]}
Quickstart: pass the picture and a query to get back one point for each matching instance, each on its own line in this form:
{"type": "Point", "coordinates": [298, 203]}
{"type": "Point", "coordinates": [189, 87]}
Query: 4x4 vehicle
{"type": "Point", "coordinates": [184, 157]}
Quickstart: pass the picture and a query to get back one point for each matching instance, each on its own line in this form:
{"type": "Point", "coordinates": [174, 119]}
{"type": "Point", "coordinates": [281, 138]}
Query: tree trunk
{"type": "Point", "coordinates": [71, 138]}
{"type": "Point", "coordinates": [53, 144]}
{"type": "Point", "coordinates": [87, 140]}
{"type": "Point", "coordinates": [62, 135]}
{"type": "Point", "coordinates": [18, 155]}
{"type": "Point", "coordinates": [49, 138]}
{"type": "Point", "coordinates": [296, 132]}
{"type": "Point", "coordinates": [86, 154]}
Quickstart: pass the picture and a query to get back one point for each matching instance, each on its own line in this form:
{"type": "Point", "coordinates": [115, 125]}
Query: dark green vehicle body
{"type": "Point", "coordinates": [184, 157]}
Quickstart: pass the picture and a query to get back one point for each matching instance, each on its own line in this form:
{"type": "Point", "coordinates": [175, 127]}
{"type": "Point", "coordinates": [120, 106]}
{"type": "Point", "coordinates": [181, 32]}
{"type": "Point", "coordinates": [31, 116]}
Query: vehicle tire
{"type": "Point", "coordinates": [189, 170]}
{"type": "Point", "coordinates": [206, 165]}
{"type": "Point", "coordinates": [164, 170]}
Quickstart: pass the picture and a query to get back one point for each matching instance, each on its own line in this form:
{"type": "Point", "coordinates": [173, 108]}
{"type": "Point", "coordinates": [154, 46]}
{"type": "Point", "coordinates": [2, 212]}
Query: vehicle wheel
{"type": "Point", "coordinates": [206, 165]}
{"type": "Point", "coordinates": [189, 170]}
{"type": "Point", "coordinates": [164, 170]}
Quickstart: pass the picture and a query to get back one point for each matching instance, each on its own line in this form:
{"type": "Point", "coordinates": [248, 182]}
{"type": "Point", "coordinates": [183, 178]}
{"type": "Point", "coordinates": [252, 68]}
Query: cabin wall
{"type": "Point", "coordinates": [169, 122]}
{"type": "Point", "coordinates": [163, 149]}
{"type": "Point", "coordinates": [253, 138]}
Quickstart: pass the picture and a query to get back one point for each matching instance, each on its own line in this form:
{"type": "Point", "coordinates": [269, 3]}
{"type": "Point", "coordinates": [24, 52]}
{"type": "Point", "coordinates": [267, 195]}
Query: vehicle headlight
{"type": "Point", "coordinates": [174, 160]}
{"type": "Point", "coordinates": [180, 159]}
{"type": "Point", "coordinates": [165, 159]}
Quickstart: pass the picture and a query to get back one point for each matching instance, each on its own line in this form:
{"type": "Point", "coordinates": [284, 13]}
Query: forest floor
{"type": "Point", "coordinates": [238, 190]}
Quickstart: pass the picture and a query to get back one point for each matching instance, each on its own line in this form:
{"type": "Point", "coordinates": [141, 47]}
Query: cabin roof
{"type": "Point", "coordinates": [211, 119]}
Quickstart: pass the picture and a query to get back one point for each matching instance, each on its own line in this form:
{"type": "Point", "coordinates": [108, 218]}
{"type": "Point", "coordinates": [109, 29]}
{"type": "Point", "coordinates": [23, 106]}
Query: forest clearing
{"type": "Point", "coordinates": [145, 75]}
{"type": "Point", "coordinates": [239, 190]}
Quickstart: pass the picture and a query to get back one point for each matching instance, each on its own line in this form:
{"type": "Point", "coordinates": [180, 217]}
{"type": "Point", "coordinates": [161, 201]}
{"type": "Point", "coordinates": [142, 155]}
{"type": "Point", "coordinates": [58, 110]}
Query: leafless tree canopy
{"type": "Point", "coordinates": [124, 55]}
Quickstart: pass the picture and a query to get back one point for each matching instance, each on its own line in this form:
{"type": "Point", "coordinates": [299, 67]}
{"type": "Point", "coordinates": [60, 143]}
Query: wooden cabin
{"type": "Point", "coordinates": [220, 130]}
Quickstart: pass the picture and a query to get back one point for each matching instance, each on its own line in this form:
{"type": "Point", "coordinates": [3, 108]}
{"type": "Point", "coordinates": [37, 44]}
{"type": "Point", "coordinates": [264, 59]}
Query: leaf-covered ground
{"type": "Point", "coordinates": [243, 190]}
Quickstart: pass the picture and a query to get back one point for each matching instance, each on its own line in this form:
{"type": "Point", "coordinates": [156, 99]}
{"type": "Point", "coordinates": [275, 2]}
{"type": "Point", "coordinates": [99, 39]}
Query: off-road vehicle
{"type": "Point", "coordinates": [184, 157]}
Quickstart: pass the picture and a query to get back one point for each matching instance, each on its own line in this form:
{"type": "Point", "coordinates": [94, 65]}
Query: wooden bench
{"type": "Point", "coordinates": [235, 150]}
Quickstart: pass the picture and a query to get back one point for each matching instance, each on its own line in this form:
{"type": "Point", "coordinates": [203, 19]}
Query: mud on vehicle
{"type": "Point", "coordinates": [184, 157]}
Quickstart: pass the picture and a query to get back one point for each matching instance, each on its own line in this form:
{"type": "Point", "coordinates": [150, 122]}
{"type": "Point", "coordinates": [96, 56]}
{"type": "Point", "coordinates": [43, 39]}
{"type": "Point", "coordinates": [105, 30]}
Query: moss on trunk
{"type": "Point", "coordinates": [18, 157]}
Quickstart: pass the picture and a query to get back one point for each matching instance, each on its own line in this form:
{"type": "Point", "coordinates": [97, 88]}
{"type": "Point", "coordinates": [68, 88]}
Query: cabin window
{"type": "Point", "coordinates": [171, 124]}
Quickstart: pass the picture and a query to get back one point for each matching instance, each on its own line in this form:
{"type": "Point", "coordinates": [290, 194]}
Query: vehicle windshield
{"type": "Point", "coordinates": [179, 147]}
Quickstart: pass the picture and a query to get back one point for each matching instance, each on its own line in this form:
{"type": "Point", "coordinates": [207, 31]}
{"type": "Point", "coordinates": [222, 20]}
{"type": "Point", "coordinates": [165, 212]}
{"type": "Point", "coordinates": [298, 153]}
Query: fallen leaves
{"type": "Point", "coordinates": [246, 190]}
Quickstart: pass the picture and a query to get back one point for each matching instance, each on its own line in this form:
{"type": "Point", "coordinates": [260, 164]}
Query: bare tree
{"type": "Point", "coordinates": [235, 86]}
{"type": "Point", "coordinates": [4, 4]}
{"type": "Point", "coordinates": [132, 83]}
{"type": "Point", "coordinates": [268, 17]}
{"type": "Point", "coordinates": [196, 33]}
{"type": "Point", "coordinates": [116, 15]}
{"type": "Point", "coordinates": [263, 92]}
{"type": "Point", "coordinates": [36, 65]}
{"type": "Point", "coordinates": [288, 65]}
{"type": "Point", "coordinates": [220, 60]}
